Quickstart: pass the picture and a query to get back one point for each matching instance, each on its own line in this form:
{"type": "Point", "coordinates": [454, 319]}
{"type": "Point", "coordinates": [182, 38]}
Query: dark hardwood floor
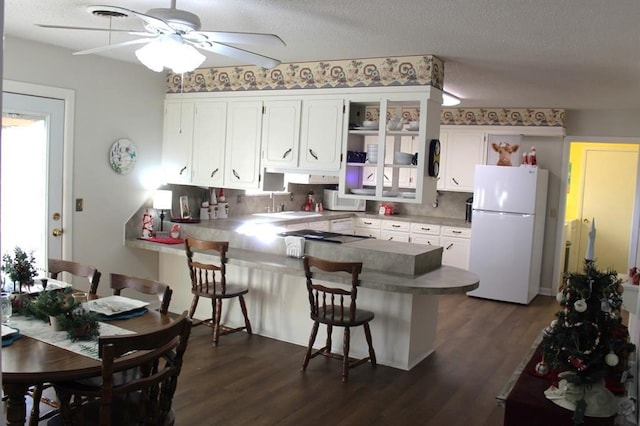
{"type": "Point", "coordinates": [252, 380]}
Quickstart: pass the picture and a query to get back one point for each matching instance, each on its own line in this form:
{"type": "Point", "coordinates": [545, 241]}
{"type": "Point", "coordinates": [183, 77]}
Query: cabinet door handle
{"type": "Point", "coordinates": [367, 223]}
{"type": "Point", "coordinates": [455, 181]}
{"type": "Point", "coordinates": [390, 238]}
{"type": "Point", "coordinates": [369, 177]}
{"type": "Point", "coordinates": [395, 226]}
{"type": "Point", "coordinates": [449, 246]}
{"type": "Point", "coordinates": [214, 172]}
{"type": "Point", "coordinates": [313, 154]}
{"type": "Point", "coordinates": [429, 243]}
{"type": "Point", "coordinates": [426, 229]}
{"type": "Point", "coordinates": [235, 173]}
{"type": "Point", "coordinates": [287, 152]}
{"type": "Point", "coordinates": [386, 177]}
{"type": "Point", "coordinates": [182, 170]}
{"type": "Point", "coordinates": [456, 232]}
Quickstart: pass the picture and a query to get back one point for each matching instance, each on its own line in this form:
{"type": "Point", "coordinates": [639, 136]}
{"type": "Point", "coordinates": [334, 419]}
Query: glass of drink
{"type": "Point", "coordinates": [5, 307]}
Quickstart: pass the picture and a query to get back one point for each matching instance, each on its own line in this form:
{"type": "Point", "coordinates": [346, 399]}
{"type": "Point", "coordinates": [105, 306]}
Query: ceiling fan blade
{"type": "Point", "coordinates": [83, 28]}
{"type": "Point", "coordinates": [241, 54]}
{"type": "Point", "coordinates": [113, 46]}
{"type": "Point", "coordinates": [159, 24]}
{"type": "Point", "coordinates": [235, 37]}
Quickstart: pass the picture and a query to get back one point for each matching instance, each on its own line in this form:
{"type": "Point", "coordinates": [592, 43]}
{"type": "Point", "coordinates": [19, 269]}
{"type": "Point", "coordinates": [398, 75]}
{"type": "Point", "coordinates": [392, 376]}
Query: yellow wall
{"type": "Point", "coordinates": [576, 158]}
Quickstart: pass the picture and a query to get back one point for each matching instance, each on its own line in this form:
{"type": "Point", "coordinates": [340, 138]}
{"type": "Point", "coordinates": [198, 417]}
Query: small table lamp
{"type": "Point", "coordinates": [162, 200]}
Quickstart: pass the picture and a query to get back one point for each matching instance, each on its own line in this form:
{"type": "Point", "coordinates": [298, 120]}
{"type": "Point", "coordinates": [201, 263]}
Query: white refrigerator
{"type": "Point", "coordinates": [507, 231]}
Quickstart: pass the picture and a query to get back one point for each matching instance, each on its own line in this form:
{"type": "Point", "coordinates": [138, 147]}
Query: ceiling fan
{"type": "Point", "coordinates": [172, 36]}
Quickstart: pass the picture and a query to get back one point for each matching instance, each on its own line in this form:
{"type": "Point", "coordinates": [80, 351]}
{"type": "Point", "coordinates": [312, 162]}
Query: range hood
{"type": "Point", "coordinates": [311, 179]}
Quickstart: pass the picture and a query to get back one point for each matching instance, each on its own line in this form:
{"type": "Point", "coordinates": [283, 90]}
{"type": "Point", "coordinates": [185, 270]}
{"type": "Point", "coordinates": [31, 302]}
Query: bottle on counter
{"type": "Point", "coordinates": [221, 197]}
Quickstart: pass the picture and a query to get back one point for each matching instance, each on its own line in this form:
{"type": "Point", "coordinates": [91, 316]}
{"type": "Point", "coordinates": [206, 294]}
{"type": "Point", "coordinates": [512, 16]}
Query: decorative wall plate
{"type": "Point", "coordinates": [123, 156]}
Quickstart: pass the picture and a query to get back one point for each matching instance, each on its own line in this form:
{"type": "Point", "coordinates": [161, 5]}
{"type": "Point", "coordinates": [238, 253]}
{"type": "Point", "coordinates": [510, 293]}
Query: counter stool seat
{"type": "Point", "coordinates": [210, 281]}
{"type": "Point", "coordinates": [335, 306]}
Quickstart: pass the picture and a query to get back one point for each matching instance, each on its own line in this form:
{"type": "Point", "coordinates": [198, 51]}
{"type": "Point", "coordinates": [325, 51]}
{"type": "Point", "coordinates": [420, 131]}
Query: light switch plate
{"type": "Point", "coordinates": [79, 204]}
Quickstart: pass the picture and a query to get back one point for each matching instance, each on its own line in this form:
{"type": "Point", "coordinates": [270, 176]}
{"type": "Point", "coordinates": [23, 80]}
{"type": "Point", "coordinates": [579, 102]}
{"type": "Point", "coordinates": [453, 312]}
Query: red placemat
{"type": "Point", "coordinates": [167, 240]}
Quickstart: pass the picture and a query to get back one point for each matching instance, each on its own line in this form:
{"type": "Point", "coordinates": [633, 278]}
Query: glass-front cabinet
{"type": "Point", "coordinates": [391, 150]}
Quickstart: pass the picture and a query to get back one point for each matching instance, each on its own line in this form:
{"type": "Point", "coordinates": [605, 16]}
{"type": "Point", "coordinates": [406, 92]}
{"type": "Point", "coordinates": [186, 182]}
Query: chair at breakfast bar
{"type": "Point", "coordinates": [210, 281]}
{"type": "Point", "coordinates": [335, 306]}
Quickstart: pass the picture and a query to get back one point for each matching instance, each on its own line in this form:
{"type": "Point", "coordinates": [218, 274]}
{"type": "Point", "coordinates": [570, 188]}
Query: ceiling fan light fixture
{"type": "Point", "coordinates": [170, 51]}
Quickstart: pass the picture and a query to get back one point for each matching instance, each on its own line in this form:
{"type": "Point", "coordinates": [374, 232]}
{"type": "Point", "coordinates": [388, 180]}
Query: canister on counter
{"type": "Point", "coordinates": [223, 210]}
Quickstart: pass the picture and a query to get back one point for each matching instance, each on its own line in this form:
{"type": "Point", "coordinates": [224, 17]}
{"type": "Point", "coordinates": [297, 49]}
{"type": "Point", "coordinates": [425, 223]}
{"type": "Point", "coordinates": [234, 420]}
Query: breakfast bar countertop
{"type": "Point", "coordinates": [444, 280]}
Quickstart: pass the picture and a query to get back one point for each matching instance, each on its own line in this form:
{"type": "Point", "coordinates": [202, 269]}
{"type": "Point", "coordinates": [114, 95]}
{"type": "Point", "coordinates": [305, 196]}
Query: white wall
{"type": "Point", "coordinates": [113, 100]}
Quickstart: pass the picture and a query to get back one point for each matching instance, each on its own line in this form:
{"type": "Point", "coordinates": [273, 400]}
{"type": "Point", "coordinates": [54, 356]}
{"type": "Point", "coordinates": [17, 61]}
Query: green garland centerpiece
{"type": "Point", "coordinates": [21, 268]}
{"type": "Point", "coordinates": [71, 317]}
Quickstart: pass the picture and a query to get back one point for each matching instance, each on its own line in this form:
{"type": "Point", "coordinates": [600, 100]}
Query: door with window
{"type": "Point", "coordinates": [32, 176]}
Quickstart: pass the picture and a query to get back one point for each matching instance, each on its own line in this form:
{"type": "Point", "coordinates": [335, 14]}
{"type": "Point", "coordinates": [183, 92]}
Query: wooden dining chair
{"type": "Point", "coordinates": [57, 266]}
{"type": "Point", "coordinates": [210, 281]}
{"type": "Point", "coordinates": [143, 398]}
{"type": "Point", "coordinates": [335, 306]}
{"type": "Point", "coordinates": [120, 282]}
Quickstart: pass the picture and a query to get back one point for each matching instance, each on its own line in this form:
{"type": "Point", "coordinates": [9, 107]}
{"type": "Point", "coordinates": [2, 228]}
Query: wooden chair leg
{"type": "Point", "coordinates": [243, 306]}
{"type": "Point", "coordinates": [194, 304]}
{"type": "Point", "coordinates": [345, 360]}
{"type": "Point", "coordinates": [329, 344]}
{"type": "Point", "coordinates": [36, 396]}
{"type": "Point", "coordinates": [312, 340]}
{"type": "Point", "coordinates": [216, 320]}
{"type": "Point", "coordinates": [367, 334]}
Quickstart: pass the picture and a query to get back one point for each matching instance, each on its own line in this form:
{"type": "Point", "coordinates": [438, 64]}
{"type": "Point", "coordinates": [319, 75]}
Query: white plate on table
{"type": "Point", "coordinates": [114, 305]}
{"type": "Point", "coordinates": [8, 331]}
{"type": "Point", "coordinates": [363, 191]}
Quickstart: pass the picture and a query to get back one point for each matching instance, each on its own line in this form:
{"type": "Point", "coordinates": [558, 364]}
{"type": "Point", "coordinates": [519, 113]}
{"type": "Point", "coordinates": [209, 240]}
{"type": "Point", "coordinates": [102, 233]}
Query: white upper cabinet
{"type": "Point", "coordinates": [242, 157]}
{"type": "Point", "coordinates": [460, 151]}
{"type": "Point", "coordinates": [321, 134]}
{"type": "Point", "coordinates": [209, 135]}
{"type": "Point", "coordinates": [388, 177]}
{"type": "Point", "coordinates": [281, 134]}
{"type": "Point", "coordinates": [177, 141]}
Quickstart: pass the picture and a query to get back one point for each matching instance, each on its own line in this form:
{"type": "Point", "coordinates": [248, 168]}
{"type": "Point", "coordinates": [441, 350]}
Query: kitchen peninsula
{"type": "Point", "coordinates": [400, 282]}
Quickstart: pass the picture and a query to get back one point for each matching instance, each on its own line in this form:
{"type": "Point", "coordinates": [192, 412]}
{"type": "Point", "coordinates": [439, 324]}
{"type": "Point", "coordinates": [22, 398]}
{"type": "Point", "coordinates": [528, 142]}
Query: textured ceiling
{"type": "Point", "coordinates": [574, 54]}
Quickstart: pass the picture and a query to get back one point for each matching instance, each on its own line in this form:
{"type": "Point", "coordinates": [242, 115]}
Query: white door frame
{"type": "Point", "coordinates": [68, 96]}
{"type": "Point", "coordinates": [635, 237]}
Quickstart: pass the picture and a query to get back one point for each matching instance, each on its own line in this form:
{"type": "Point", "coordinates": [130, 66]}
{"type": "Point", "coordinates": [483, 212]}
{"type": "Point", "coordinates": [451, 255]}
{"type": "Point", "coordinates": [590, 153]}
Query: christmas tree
{"type": "Point", "coordinates": [587, 341]}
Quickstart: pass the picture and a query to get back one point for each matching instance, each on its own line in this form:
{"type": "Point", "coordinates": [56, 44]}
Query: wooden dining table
{"type": "Point", "coordinates": [28, 361]}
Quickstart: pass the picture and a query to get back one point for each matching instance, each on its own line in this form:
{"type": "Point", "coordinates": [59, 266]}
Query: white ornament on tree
{"type": "Point", "coordinates": [611, 359]}
{"type": "Point", "coordinates": [560, 297]}
{"type": "Point", "coordinates": [580, 305]}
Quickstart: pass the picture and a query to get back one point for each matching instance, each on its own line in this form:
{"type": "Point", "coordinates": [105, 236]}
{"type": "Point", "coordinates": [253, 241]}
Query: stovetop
{"type": "Point", "coordinates": [329, 237]}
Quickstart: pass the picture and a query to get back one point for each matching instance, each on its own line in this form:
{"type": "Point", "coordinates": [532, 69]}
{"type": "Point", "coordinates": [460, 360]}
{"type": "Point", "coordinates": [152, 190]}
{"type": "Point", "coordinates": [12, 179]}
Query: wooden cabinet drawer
{"type": "Point", "coordinates": [365, 222]}
{"type": "Point", "coordinates": [450, 231]}
{"type": "Point", "coordinates": [425, 228]}
{"type": "Point", "coordinates": [393, 225]}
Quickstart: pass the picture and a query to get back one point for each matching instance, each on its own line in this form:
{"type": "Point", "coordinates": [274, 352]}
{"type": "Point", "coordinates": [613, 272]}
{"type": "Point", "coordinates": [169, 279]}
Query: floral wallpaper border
{"type": "Point", "coordinates": [543, 117]}
{"type": "Point", "coordinates": [424, 70]}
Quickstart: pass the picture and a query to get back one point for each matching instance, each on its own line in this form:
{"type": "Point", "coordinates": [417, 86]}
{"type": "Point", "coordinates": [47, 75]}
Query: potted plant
{"type": "Point", "coordinates": [52, 305]}
{"type": "Point", "coordinates": [21, 267]}
{"type": "Point", "coordinates": [81, 325]}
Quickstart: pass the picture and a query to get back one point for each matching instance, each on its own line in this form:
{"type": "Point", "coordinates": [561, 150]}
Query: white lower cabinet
{"type": "Point", "coordinates": [424, 233]}
{"type": "Point", "coordinates": [393, 230]}
{"type": "Point", "coordinates": [456, 244]}
{"type": "Point", "coordinates": [367, 227]}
